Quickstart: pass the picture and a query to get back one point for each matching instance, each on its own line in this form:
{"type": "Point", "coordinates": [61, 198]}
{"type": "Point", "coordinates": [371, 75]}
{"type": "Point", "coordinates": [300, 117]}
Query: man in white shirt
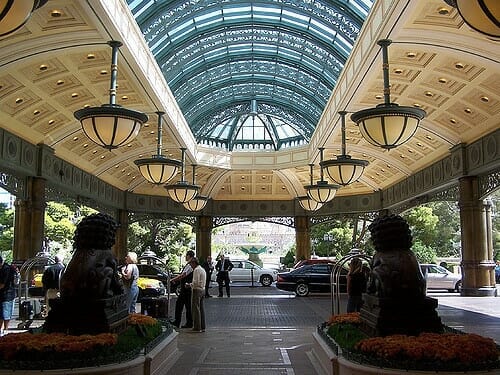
{"type": "Point", "coordinates": [197, 291]}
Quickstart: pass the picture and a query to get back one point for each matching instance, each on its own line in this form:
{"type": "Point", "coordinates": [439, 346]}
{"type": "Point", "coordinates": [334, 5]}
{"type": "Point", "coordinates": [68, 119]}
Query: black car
{"type": "Point", "coordinates": [312, 278]}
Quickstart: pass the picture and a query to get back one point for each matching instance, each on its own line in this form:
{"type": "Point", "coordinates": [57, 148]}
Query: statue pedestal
{"type": "Point", "coordinates": [75, 316]}
{"type": "Point", "coordinates": [390, 316]}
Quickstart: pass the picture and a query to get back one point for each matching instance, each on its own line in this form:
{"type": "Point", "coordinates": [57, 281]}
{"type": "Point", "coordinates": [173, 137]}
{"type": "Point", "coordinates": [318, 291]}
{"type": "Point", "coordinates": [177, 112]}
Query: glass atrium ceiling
{"type": "Point", "coordinates": [251, 75]}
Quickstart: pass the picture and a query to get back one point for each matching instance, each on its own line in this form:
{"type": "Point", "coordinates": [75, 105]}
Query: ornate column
{"type": "Point", "coordinates": [120, 247]}
{"type": "Point", "coordinates": [29, 221]}
{"type": "Point", "coordinates": [204, 236]}
{"type": "Point", "coordinates": [477, 260]}
{"type": "Point", "coordinates": [302, 237]}
{"type": "Point", "coordinates": [22, 225]}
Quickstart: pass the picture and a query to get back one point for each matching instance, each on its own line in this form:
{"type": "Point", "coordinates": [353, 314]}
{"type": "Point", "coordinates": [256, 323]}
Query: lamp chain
{"type": "Point", "coordinates": [160, 133]}
{"type": "Point", "coordinates": [321, 149]}
{"type": "Point", "coordinates": [114, 70]}
{"type": "Point", "coordinates": [342, 118]}
{"type": "Point", "coordinates": [311, 172]}
{"type": "Point", "coordinates": [183, 160]}
{"type": "Point", "coordinates": [384, 43]}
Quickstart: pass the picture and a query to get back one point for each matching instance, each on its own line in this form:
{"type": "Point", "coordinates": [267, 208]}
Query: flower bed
{"type": "Point", "coordinates": [43, 351]}
{"type": "Point", "coordinates": [448, 352]}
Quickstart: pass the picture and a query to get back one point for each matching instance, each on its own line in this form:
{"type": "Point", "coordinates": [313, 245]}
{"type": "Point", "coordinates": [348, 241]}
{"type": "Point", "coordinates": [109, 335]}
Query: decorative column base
{"type": "Point", "coordinates": [479, 292]}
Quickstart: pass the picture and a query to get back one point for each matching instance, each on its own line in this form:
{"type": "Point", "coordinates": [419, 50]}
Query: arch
{"type": "Point", "coordinates": [280, 220]}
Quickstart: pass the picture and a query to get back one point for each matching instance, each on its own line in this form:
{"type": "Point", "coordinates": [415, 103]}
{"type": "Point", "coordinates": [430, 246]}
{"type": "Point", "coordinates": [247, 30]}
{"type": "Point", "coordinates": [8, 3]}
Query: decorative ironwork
{"type": "Point", "coordinates": [220, 221]}
{"type": "Point", "coordinates": [138, 217]}
{"type": "Point", "coordinates": [489, 183]}
{"type": "Point", "coordinates": [55, 194]}
{"type": "Point", "coordinates": [368, 216]}
{"type": "Point", "coordinates": [13, 184]}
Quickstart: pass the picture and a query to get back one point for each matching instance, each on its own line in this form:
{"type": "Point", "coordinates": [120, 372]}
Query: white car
{"type": "Point", "coordinates": [242, 271]}
{"type": "Point", "coordinates": [438, 277]}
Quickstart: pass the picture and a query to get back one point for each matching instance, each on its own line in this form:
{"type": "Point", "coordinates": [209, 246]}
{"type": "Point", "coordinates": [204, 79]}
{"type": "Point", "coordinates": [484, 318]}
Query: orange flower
{"type": "Point", "coordinates": [448, 347]}
{"type": "Point", "coordinates": [353, 318]}
{"type": "Point", "coordinates": [139, 319]}
{"type": "Point", "coordinates": [11, 344]}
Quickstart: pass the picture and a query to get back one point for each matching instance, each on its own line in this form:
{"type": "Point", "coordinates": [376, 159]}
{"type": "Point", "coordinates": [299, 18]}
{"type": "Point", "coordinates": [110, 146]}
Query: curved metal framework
{"type": "Point", "coordinates": [251, 75]}
{"type": "Point", "coordinates": [335, 277]}
{"type": "Point", "coordinates": [220, 221]}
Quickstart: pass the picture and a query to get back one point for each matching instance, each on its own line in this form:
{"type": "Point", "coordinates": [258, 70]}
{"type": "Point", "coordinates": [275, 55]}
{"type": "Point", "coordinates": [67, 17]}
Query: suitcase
{"type": "Point", "coordinates": [156, 307]}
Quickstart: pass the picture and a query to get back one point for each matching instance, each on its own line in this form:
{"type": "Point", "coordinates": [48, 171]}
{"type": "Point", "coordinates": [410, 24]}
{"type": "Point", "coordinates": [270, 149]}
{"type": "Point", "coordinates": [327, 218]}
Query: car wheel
{"type": "Point", "coordinates": [302, 290]}
{"type": "Point", "coordinates": [266, 280]}
{"type": "Point", "coordinates": [458, 286]}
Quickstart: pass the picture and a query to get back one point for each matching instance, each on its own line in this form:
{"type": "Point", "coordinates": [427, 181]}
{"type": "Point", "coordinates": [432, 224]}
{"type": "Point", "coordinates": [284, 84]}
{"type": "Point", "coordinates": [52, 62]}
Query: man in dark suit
{"type": "Point", "coordinates": [184, 298]}
{"type": "Point", "coordinates": [223, 267]}
{"type": "Point", "coordinates": [208, 266]}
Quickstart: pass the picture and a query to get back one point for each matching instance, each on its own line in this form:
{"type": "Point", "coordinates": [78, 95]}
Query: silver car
{"type": "Point", "coordinates": [244, 270]}
{"type": "Point", "coordinates": [438, 277]}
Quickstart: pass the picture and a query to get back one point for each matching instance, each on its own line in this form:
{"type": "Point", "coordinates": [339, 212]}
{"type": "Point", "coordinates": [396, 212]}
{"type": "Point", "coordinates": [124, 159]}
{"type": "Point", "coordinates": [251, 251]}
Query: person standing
{"type": "Point", "coordinates": [197, 287]}
{"type": "Point", "coordinates": [356, 285]}
{"type": "Point", "coordinates": [184, 298]}
{"type": "Point", "coordinates": [223, 267]}
{"type": "Point", "coordinates": [7, 295]}
{"type": "Point", "coordinates": [50, 281]}
{"type": "Point", "coordinates": [130, 274]}
{"type": "Point", "coordinates": [208, 266]}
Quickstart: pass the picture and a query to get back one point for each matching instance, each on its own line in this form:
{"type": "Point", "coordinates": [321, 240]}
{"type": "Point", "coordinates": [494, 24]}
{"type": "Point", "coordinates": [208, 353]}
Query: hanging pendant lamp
{"type": "Point", "coordinates": [388, 125]}
{"type": "Point", "coordinates": [482, 15]}
{"type": "Point", "coordinates": [196, 204]}
{"type": "Point", "coordinates": [158, 169]}
{"type": "Point", "coordinates": [309, 204]}
{"type": "Point", "coordinates": [111, 125]}
{"type": "Point", "coordinates": [344, 170]}
{"type": "Point", "coordinates": [15, 13]}
{"type": "Point", "coordinates": [182, 191]}
{"type": "Point", "coordinates": [322, 191]}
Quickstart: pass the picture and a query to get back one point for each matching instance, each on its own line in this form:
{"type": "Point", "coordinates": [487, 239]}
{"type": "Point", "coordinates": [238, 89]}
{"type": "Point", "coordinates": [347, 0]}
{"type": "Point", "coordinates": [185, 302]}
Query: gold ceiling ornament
{"type": "Point", "coordinates": [15, 13]}
{"type": "Point", "coordinates": [322, 191]}
{"type": "Point", "coordinates": [111, 125]}
{"type": "Point", "coordinates": [344, 170]}
{"type": "Point", "coordinates": [481, 15]}
{"type": "Point", "coordinates": [182, 191]}
{"type": "Point", "coordinates": [388, 125]}
{"type": "Point", "coordinates": [158, 169]}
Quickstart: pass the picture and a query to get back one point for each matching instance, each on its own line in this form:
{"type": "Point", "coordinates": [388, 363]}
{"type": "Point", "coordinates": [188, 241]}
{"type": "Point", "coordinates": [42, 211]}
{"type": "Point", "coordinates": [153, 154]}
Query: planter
{"type": "Point", "coordinates": [329, 358]}
{"type": "Point", "coordinates": [155, 362]}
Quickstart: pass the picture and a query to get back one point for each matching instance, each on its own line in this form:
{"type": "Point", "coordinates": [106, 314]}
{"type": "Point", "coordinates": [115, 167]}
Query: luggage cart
{"type": "Point", "coordinates": [158, 307]}
{"type": "Point", "coordinates": [335, 276]}
{"type": "Point", "coordinates": [31, 308]}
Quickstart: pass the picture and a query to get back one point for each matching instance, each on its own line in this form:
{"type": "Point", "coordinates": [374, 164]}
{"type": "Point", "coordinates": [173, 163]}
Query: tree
{"type": "Point", "coordinates": [169, 239]}
{"type": "Point", "coordinates": [6, 231]}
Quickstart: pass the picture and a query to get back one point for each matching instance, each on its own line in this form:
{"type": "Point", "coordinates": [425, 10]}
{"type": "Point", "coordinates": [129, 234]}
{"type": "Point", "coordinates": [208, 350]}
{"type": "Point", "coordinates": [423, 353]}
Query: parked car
{"type": "Point", "coordinates": [307, 262]}
{"type": "Point", "coordinates": [310, 278]}
{"type": "Point", "coordinates": [243, 269]}
{"type": "Point", "coordinates": [438, 277]}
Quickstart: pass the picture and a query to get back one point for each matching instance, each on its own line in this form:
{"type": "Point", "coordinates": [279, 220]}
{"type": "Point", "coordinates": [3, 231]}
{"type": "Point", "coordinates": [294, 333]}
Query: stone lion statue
{"type": "Point", "coordinates": [92, 272]}
{"type": "Point", "coordinates": [395, 272]}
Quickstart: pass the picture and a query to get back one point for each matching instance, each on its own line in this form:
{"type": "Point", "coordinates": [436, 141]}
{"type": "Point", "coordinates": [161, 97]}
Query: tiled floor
{"type": "Point", "coordinates": [267, 331]}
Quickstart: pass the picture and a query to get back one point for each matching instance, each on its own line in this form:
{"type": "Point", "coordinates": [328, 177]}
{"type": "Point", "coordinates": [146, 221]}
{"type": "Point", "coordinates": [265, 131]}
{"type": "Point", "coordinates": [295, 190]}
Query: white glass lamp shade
{"type": "Point", "coordinates": [110, 125]}
{"type": "Point", "coordinates": [196, 204]}
{"type": "Point", "coordinates": [158, 169]}
{"type": "Point", "coordinates": [481, 15]}
{"type": "Point", "coordinates": [182, 192]}
{"type": "Point", "coordinates": [322, 192]}
{"type": "Point", "coordinates": [309, 204]}
{"type": "Point", "coordinates": [388, 125]}
{"type": "Point", "coordinates": [344, 170]}
{"type": "Point", "coordinates": [15, 13]}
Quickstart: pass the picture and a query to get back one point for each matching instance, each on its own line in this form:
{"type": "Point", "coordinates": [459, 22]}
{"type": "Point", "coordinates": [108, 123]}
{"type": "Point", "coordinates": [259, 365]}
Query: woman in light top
{"type": "Point", "coordinates": [130, 274]}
